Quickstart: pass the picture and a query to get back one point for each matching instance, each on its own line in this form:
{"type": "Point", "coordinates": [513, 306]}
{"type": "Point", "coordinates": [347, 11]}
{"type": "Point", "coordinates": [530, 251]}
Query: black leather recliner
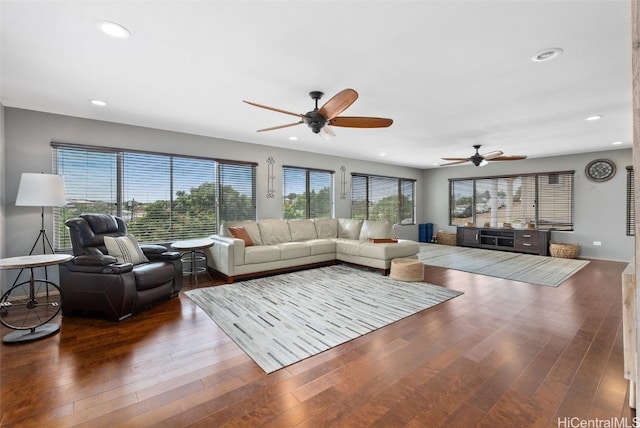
{"type": "Point", "coordinates": [95, 282]}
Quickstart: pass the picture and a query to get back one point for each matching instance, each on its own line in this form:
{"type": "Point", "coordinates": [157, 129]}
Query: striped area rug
{"type": "Point", "coordinates": [282, 319]}
{"type": "Point", "coordinates": [541, 270]}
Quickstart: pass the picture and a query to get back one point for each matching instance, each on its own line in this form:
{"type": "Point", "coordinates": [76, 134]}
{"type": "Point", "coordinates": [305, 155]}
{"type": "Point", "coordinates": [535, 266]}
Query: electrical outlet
{"type": "Point", "coordinates": [597, 243]}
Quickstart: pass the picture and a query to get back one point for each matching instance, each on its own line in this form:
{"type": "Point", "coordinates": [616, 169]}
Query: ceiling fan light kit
{"type": "Point", "coordinates": [319, 119]}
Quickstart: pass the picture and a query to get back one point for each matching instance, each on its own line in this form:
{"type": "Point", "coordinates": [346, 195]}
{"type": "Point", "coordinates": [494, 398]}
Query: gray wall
{"type": "Point", "coordinates": [28, 149]}
{"type": "Point", "coordinates": [600, 208]}
{"type": "Point", "coordinates": [26, 137]}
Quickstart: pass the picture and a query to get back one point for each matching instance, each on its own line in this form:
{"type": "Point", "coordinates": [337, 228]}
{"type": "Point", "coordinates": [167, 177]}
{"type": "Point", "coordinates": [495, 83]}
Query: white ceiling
{"type": "Point", "coordinates": [450, 73]}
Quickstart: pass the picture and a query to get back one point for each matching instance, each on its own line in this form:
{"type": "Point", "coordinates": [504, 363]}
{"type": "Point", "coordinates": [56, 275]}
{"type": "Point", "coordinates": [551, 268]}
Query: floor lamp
{"type": "Point", "coordinates": [40, 190]}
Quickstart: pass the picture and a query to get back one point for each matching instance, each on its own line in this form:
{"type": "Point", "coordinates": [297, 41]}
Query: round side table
{"type": "Point", "coordinates": [28, 307]}
{"type": "Point", "coordinates": [193, 249]}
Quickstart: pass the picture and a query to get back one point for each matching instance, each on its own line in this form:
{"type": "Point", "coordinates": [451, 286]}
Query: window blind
{"type": "Point", "coordinates": [383, 198]}
{"type": "Point", "coordinates": [307, 193]}
{"type": "Point", "coordinates": [163, 198]}
{"type": "Point", "coordinates": [544, 198]}
{"type": "Point", "coordinates": [237, 191]}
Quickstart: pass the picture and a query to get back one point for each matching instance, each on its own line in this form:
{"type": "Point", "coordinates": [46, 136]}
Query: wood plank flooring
{"type": "Point", "coordinates": [504, 354]}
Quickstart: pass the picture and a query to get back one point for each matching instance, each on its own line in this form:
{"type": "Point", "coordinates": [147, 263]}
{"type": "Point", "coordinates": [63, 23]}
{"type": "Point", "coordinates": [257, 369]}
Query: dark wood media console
{"type": "Point", "coordinates": [518, 240]}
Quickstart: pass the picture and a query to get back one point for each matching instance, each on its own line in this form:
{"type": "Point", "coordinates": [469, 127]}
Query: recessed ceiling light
{"type": "Point", "coordinates": [547, 55]}
{"type": "Point", "coordinates": [594, 117]}
{"type": "Point", "coordinates": [114, 30]}
{"type": "Point", "coordinates": [98, 103]}
{"type": "Point", "coordinates": [617, 143]}
{"type": "Point", "coordinates": [382, 154]}
{"type": "Point", "coordinates": [293, 138]}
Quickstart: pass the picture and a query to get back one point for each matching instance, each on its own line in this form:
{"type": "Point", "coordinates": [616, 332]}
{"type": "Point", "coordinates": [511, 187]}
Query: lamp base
{"type": "Point", "coordinates": [44, 330]}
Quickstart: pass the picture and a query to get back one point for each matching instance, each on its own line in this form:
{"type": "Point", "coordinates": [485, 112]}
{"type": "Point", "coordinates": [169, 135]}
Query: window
{"type": "Point", "coordinates": [307, 193]}
{"type": "Point", "coordinates": [382, 198]}
{"type": "Point", "coordinates": [631, 203]}
{"type": "Point", "coordinates": [163, 198]}
{"type": "Point", "coordinates": [545, 199]}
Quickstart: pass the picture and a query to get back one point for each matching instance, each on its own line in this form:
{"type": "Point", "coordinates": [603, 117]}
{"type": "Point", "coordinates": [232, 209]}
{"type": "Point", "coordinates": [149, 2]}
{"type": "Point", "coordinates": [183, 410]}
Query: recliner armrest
{"type": "Point", "coordinates": [148, 249]}
{"type": "Point", "coordinates": [166, 256]}
{"type": "Point", "coordinates": [98, 264]}
{"type": "Point", "coordinates": [96, 260]}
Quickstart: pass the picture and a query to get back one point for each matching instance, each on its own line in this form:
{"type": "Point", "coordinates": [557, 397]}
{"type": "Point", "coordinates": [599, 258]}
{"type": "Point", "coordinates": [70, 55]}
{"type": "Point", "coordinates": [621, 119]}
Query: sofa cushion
{"type": "Point", "coordinates": [322, 246]}
{"type": "Point", "coordinates": [241, 233]}
{"type": "Point", "coordinates": [302, 230]}
{"type": "Point", "coordinates": [261, 254]}
{"type": "Point", "coordinates": [376, 229]}
{"type": "Point", "coordinates": [377, 251]}
{"type": "Point", "coordinates": [249, 225]}
{"type": "Point", "coordinates": [326, 227]}
{"type": "Point", "coordinates": [125, 249]}
{"type": "Point", "coordinates": [294, 250]}
{"type": "Point", "coordinates": [349, 228]}
{"type": "Point", "coordinates": [274, 231]}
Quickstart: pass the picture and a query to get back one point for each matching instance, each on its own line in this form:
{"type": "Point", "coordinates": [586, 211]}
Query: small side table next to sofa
{"type": "Point", "coordinates": [193, 252]}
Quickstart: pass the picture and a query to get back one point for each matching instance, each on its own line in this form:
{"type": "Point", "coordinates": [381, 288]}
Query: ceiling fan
{"type": "Point", "coordinates": [480, 160]}
{"type": "Point", "coordinates": [319, 119]}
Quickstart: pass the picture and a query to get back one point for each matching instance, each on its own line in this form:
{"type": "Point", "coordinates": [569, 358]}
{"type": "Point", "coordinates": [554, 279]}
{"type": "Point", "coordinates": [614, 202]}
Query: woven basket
{"type": "Point", "coordinates": [565, 251]}
{"type": "Point", "coordinates": [447, 238]}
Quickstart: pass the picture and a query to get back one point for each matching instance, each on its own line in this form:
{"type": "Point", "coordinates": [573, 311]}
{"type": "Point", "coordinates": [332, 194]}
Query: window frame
{"type": "Point", "coordinates": [309, 186]}
{"type": "Point", "coordinates": [368, 186]}
{"type": "Point", "coordinates": [117, 175]}
{"type": "Point", "coordinates": [539, 201]}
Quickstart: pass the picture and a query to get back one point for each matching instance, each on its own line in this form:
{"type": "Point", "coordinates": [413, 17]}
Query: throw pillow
{"type": "Point", "coordinates": [125, 249]}
{"type": "Point", "coordinates": [241, 233]}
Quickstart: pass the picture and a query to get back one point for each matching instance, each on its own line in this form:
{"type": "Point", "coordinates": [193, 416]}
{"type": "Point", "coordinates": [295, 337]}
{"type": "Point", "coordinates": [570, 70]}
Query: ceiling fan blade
{"type": "Point", "coordinates": [492, 155]}
{"type": "Point", "coordinates": [280, 126]}
{"type": "Point", "coordinates": [454, 162]}
{"type": "Point", "coordinates": [361, 122]}
{"type": "Point", "coordinates": [327, 133]}
{"type": "Point", "coordinates": [338, 103]}
{"type": "Point", "coordinates": [509, 158]}
{"type": "Point", "coordinates": [273, 108]}
{"type": "Point", "coordinates": [455, 159]}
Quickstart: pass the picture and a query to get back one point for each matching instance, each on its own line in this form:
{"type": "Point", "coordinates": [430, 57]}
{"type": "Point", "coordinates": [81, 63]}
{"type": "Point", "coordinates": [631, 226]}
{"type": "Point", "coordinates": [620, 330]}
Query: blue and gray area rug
{"type": "Point", "coordinates": [541, 270]}
{"type": "Point", "coordinates": [282, 319]}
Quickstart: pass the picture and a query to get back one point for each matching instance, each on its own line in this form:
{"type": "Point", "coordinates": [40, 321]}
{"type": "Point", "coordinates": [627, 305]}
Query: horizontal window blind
{"type": "Point", "coordinates": [383, 198]}
{"type": "Point", "coordinates": [90, 179]}
{"type": "Point", "coordinates": [545, 199]}
{"type": "Point", "coordinates": [307, 193]}
{"type": "Point", "coordinates": [237, 191]}
{"type": "Point", "coordinates": [161, 197]}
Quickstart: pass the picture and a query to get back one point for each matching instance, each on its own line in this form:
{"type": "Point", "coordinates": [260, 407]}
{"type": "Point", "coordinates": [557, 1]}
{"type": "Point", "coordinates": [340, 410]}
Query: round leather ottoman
{"type": "Point", "coordinates": [407, 270]}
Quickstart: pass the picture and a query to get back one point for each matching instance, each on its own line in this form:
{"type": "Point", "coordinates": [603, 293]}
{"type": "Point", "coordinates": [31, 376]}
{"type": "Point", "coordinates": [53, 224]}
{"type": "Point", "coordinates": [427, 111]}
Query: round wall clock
{"type": "Point", "coordinates": [600, 170]}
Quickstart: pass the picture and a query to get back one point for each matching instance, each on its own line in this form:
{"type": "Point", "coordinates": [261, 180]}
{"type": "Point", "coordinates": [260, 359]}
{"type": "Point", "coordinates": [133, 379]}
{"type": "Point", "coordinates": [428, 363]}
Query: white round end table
{"type": "Point", "coordinates": [193, 249]}
{"type": "Point", "coordinates": [28, 307]}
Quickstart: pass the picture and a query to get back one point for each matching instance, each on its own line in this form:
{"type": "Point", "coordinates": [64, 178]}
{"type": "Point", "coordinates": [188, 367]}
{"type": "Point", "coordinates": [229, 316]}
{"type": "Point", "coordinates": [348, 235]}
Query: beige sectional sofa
{"type": "Point", "coordinates": [276, 245]}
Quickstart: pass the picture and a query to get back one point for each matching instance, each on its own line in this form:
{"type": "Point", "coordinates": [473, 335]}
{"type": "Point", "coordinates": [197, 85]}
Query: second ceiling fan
{"type": "Point", "coordinates": [321, 119]}
{"type": "Point", "coordinates": [477, 159]}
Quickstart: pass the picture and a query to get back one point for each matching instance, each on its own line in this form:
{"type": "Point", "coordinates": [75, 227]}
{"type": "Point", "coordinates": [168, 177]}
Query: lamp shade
{"type": "Point", "coordinates": [41, 190]}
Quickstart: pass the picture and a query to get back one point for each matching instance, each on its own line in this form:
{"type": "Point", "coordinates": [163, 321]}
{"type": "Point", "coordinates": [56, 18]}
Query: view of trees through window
{"type": "Point", "coordinates": [382, 198]}
{"type": "Point", "coordinates": [307, 193]}
{"type": "Point", "coordinates": [162, 198]}
{"type": "Point", "coordinates": [543, 199]}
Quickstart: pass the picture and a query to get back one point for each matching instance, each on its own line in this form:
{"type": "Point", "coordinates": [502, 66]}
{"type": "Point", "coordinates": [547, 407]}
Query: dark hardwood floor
{"type": "Point", "coordinates": [504, 354]}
